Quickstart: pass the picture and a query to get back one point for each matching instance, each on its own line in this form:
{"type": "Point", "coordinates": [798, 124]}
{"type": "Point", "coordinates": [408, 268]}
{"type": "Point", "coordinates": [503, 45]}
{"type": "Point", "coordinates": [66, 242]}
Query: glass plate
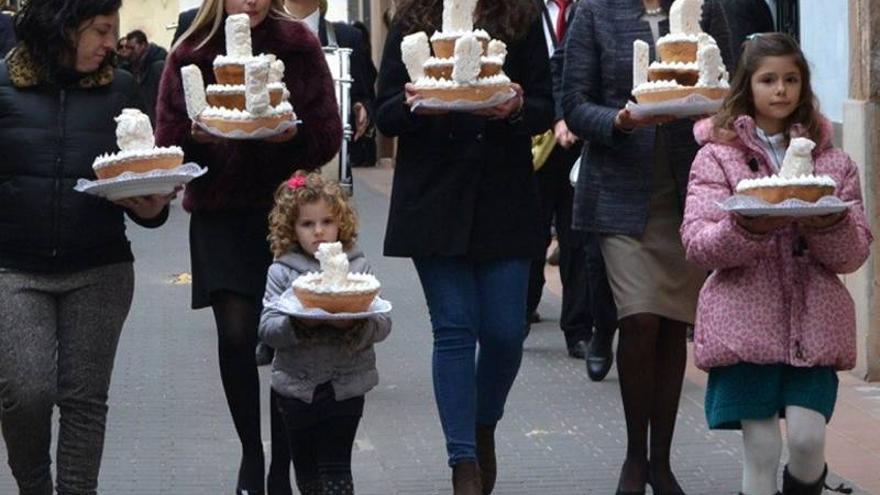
{"type": "Point", "coordinates": [129, 184]}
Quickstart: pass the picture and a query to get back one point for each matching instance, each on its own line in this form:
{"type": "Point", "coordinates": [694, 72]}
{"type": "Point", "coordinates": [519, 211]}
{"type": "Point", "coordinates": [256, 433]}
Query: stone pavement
{"type": "Point", "coordinates": [169, 430]}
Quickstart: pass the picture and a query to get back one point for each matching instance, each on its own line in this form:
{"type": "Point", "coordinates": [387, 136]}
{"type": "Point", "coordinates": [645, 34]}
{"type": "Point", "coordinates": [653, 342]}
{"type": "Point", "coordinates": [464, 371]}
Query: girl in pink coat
{"type": "Point", "coordinates": [774, 322]}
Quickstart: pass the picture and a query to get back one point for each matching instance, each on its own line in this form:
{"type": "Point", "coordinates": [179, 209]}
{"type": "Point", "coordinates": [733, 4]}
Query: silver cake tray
{"type": "Point", "coordinates": [463, 105]}
{"type": "Point", "coordinates": [753, 207]}
{"type": "Point", "coordinates": [262, 133]}
{"type": "Point", "coordinates": [129, 184]}
{"type": "Point", "coordinates": [289, 304]}
{"type": "Point", "coordinates": [690, 106]}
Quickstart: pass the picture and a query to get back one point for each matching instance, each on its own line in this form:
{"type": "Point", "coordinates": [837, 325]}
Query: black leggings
{"type": "Point", "coordinates": [237, 317]}
{"type": "Point", "coordinates": [321, 436]}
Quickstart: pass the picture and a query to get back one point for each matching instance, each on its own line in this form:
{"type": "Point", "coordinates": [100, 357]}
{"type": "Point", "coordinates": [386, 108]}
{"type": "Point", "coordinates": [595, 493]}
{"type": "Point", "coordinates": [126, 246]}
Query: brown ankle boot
{"type": "Point", "coordinates": [486, 456]}
{"type": "Point", "coordinates": [466, 479]}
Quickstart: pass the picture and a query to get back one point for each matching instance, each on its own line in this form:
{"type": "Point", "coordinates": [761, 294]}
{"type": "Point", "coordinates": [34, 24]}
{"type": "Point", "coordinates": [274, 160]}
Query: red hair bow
{"type": "Point", "coordinates": [296, 182]}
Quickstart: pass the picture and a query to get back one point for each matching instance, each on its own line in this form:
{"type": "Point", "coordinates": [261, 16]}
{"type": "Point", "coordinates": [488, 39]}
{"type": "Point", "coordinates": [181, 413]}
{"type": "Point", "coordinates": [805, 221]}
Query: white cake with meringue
{"type": "Point", "coordinates": [249, 94]}
{"type": "Point", "coordinates": [690, 60]}
{"type": "Point", "coordinates": [334, 289]}
{"type": "Point", "coordinates": [466, 64]}
{"type": "Point", "coordinates": [137, 153]}
{"type": "Point", "coordinates": [795, 180]}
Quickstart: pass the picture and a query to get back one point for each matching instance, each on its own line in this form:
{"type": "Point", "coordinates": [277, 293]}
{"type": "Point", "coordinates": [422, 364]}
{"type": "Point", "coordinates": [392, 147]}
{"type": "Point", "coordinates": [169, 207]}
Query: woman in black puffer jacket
{"type": "Point", "coordinates": [66, 275]}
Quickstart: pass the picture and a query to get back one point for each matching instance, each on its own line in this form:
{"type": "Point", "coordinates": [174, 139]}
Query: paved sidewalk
{"type": "Point", "coordinates": [170, 433]}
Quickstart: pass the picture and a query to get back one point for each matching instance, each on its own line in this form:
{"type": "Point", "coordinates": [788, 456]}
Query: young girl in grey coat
{"type": "Point", "coordinates": [322, 368]}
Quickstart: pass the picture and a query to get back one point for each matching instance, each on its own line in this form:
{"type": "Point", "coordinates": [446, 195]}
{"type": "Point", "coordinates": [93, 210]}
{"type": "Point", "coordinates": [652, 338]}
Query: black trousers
{"type": "Point", "coordinates": [556, 197]}
{"type": "Point", "coordinates": [600, 300]}
{"type": "Point", "coordinates": [321, 435]}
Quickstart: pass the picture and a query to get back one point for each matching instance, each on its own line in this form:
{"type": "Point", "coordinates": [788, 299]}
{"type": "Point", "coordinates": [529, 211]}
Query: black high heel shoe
{"type": "Point", "coordinates": [658, 491]}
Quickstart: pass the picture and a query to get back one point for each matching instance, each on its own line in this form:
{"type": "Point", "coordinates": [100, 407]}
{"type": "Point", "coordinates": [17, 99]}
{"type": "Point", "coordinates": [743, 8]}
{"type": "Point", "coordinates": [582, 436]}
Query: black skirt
{"type": "Point", "coordinates": [229, 252]}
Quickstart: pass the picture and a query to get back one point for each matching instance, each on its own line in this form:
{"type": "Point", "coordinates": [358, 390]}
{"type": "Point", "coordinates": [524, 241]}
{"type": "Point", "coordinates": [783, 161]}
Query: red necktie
{"type": "Point", "coordinates": [562, 18]}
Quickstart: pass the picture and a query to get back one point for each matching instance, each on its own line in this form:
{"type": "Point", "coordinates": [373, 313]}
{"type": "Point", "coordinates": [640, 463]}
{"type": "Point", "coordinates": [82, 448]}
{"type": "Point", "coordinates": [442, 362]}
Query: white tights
{"type": "Point", "coordinates": [762, 442]}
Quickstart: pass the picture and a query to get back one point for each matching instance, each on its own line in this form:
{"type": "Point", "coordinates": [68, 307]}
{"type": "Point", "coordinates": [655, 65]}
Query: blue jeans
{"type": "Point", "coordinates": [473, 302]}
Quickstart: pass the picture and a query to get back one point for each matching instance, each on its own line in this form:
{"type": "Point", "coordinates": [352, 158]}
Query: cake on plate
{"type": "Point", "coordinates": [249, 94]}
{"type": "Point", "coordinates": [796, 179]}
{"type": "Point", "coordinates": [137, 149]}
{"type": "Point", "coordinates": [467, 65]}
{"type": "Point", "coordinates": [334, 289]}
{"type": "Point", "coordinates": [690, 60]}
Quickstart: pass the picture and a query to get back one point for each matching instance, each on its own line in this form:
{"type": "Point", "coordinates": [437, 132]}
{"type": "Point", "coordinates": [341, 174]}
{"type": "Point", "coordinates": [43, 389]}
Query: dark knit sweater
{"type": "Point", "coordinates": [244, 174]}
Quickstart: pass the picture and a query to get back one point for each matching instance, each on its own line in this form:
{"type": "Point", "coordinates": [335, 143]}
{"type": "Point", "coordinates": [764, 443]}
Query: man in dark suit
{"type": "Point", "coordinates": [363, 72]}
{"type": "Point", "coordinates": [744, 18]}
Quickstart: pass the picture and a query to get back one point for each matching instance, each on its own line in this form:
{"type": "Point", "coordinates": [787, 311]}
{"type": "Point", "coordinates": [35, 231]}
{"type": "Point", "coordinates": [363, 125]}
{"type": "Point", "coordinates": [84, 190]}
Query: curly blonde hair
{"type": "Point", "coordinates": [288, 201]}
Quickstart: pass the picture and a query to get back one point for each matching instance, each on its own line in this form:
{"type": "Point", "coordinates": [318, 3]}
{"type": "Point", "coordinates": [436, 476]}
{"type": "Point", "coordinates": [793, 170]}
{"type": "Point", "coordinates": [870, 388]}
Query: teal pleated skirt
{"type": "Point", "coordinates": [747, 391]}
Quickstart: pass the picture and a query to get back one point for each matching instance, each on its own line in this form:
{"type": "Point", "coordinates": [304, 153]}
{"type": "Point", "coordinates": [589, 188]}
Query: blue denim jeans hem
{"type": "Point", "coordinates": [473, 303]}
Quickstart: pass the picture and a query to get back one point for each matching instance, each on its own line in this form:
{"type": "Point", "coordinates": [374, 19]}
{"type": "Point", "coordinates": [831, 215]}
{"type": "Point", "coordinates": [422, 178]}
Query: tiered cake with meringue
{"type": "Point", "coordinates": [795, 180]}
{"type": "Point", "coordinates": [138, 152]}
{"type": "Point", "coordinates": [467, 65]}
{"type": "Point", "coordinates": [690, 60]}
{"type": "Point", "coordinates": [334, 289]}
{"type": "Point", "coordinates": [249, 94]}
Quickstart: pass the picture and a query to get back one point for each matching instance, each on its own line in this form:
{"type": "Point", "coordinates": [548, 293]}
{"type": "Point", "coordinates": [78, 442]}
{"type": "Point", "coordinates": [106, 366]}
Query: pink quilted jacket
{"type": "Point", "coordinates": [772, 298]}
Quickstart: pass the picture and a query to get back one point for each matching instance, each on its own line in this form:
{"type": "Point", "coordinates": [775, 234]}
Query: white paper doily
{"type": "Point", "coordinates": [258, 134]}
{"type": "Point", "coordinates": [752, 206]}
{"type": "Point", "coordinates": [289, 304]}
{"type": "Point", "coordinates": [464, 105]}
{"type": "Point", "coordinates": [129, 184]}
{"type": "Point", "coordinates": [689, 106]}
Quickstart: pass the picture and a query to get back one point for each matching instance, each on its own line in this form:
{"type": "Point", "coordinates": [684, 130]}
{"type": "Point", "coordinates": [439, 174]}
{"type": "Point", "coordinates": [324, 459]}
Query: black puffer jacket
{"type": "Point", "coordinates": [49, 136]}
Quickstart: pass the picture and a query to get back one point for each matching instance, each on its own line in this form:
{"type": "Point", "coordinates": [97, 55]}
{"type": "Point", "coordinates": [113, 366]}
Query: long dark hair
{"type": "Point", "coordinates": [48, 28]}
{"type": "Point", "coordinates": [740, 100]}
{"type": "Point", "coordinates": [506, 19]}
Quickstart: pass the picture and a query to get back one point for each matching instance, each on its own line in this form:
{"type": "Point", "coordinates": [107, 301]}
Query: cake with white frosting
{"type": "Point", "coordinates": [334, 289]}
{"type": "Point", "coordinates": [466, 63]}
{"type": "Point", "coordinates": [250, 93]}
{"type": "Point", "coordinates": [795, 179]}
{"type": "Point", "coordinates": [690, 60]}
{"type": "Point", "coordinates": [137, 149]}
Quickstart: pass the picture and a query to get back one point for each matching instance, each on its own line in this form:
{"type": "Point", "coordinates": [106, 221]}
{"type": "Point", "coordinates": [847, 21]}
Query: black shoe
{"type": "Point", "coordinates": [578, 350]}
{"type": "Point", "coordinates": [599, 360]}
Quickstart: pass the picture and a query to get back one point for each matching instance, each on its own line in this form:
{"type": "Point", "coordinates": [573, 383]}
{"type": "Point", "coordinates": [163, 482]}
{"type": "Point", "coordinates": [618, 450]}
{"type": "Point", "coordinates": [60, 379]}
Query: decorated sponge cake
{"type": "Point", "coordinates": [138, 152]}
{"type": "Point", "coordinates": [796, 179]}
{"type": "Point", "coordinates": [334, 289]}
{"type": "Point", "coordinates": [690, 60]}
{"type": "Point", "coordinates": [467, 65]}
{"type": "Point", "coordinates": [249, 95]}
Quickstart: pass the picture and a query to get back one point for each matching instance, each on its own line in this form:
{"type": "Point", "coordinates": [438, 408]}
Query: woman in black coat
{"type": "Point", "coordinates": [464, 208]}
{"type": "Point", "coordinates": [66, 275]}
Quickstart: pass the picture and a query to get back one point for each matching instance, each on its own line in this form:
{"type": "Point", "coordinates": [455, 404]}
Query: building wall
{"type": "Point", "coordinates": [153, 17]}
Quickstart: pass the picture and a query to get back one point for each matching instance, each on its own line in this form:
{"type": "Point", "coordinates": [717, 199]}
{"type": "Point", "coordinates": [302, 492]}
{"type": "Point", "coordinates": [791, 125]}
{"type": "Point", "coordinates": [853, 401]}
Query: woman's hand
{"type": "Point", "coordinates": [564, 137]}
{"type": "Point", "coordinates": [627, 122]}
{"type": "Point", "coordinates": [284, 136]}
{"type": "Point", "coordinates": [505, 109]}
{"type": "Point", "coordinates": [762, 225]}
{"type": "Point", "coordinates": [202, 136]}
{"type": "Point", "coordinates": [147, 207]}
{"type": "Point", "coordinates": [413, 96]}
{"type": "Point", "coordinates": [361, 121]}
{"type": "Point", "coordinates": [822, 221]}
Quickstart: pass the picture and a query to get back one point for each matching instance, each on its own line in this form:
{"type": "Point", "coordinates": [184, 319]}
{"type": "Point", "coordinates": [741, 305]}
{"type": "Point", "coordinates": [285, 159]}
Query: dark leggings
{"type": "Point", "coordinates": [237, 317]}
{"type": "Point", "coordinates": [321, 436]}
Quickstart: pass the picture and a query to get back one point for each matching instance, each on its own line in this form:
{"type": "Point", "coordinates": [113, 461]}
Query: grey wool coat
{"type": "Point", "coordinates": [614, 184]}
{"type": "Point", "coordinates": [303, 363]}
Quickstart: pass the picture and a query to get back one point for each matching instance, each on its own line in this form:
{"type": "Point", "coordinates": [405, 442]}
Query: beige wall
{"type": "Point", "coordinates": [861, 139]}
{"type": "Point", "coordinates": [150, 16]}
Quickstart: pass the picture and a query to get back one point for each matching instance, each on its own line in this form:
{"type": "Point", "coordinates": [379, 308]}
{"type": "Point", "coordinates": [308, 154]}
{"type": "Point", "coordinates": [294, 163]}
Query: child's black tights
{"type": "Point", "coordinates": [321, 436]}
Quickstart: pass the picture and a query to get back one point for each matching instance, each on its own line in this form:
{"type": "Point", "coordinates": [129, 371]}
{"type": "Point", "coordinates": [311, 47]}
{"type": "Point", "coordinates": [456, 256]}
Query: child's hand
{"type": "Point", "coordinates": [762, 225]}
{"type": "Point", "coordinates": [822, 221]}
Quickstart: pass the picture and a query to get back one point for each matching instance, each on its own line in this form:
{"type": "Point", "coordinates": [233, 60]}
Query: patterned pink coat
{"type": "Point", "coordinates": [773, 298]}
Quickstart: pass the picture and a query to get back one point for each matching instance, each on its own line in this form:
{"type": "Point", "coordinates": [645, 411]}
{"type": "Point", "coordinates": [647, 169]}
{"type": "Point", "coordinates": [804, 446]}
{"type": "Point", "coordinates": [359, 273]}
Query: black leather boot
{"type": "Point", "coordinates": [794, 486]}
{"type": "Point", "coordinates": [466, 479]}
{"type": "Point", "coordinates": [599, 359]}
{"type": "Point", "coordinates": [486, 456]}
{"type": "Point", "coordinates": [336, 485]}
